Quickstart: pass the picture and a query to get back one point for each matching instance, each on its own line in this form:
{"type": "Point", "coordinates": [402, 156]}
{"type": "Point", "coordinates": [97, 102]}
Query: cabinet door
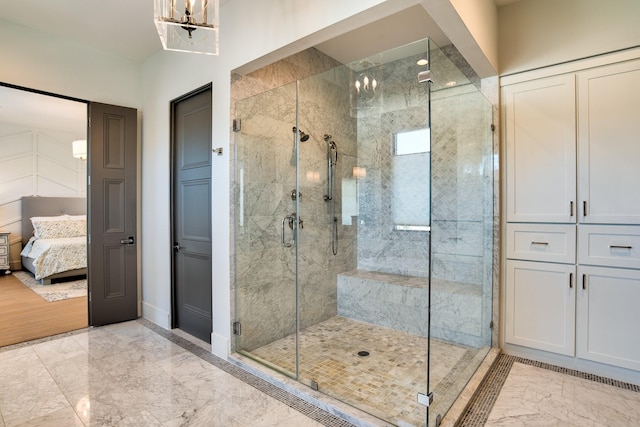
{"type": "Point", "coordinates": [541, 150]}
{"type": "Point", "coordinates": [540, 306]}
{"type": "Point", "coordinates": [609, 144]}
{"type": "Point", "coordinates": [608, 316]}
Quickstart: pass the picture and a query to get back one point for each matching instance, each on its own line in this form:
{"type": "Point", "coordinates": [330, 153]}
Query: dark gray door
{"type": "Point", "coordinates": [191, 199]}
{"type": "Point", "coordinates": [113, 287]}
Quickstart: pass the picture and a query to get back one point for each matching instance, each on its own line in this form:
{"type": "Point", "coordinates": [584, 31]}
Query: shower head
{"type": "Point", "coordinates": [303, 136]}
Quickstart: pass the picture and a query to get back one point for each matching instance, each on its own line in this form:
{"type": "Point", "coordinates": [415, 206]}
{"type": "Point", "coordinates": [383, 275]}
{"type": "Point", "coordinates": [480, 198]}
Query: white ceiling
{"type": "Point", "coordinates": [42, 112]}
{"type": "Point", "coordinates": [125, 28]}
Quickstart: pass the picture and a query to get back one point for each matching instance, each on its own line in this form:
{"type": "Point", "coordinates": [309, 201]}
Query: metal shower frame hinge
{"type": "Point", "coordinates": [237, 328]}
{"type": "Point", "coordinates": [424, 76]}
{"type": "Point", "coordinates": [425, 399]}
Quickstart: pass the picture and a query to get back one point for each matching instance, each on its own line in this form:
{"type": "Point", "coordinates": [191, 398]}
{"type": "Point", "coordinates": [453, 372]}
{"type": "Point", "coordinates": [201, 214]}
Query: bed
{"type": "Point", "coordinates": [58, 248]}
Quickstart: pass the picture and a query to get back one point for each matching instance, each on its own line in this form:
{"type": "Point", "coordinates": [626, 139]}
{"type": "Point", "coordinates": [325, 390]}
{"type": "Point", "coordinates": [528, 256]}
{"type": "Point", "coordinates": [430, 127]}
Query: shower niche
{"type": "Point", "coordinates": [363, 239]}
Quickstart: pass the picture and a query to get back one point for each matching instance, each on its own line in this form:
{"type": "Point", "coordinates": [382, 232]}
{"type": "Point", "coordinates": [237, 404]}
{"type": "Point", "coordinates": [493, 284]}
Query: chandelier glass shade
{"type": "Point", "coordinates": [188, 25]}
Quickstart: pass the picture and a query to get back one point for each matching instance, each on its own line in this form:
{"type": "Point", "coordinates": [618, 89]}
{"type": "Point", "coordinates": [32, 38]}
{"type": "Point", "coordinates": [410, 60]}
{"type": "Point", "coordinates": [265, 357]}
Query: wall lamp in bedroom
{"type": "Point", "coordinates": [79, 149]}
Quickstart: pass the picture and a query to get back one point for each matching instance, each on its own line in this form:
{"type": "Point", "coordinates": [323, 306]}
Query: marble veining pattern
{"type": "Point", "coordinates": [401, 302]}
{"type": "Point", "coordinates": [127, 374]}
{"type": "Point", "coordinates": [537, 396]}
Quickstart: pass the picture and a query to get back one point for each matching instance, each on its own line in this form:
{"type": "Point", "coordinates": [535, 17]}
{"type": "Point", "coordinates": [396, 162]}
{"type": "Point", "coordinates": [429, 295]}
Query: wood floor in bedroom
{"type": "Point", "coordinates": [25, 316]}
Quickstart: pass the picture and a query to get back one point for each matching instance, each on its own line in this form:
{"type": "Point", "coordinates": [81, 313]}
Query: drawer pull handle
{"type": "Point", "coordinates": [584, 208]}
{"type": "Point", "coordinates": [584, 281]}
{"type": "Point", "coordinates": [621, 247]}
{"type": "Point", "coordinates": [540, 243]}
{"type": "Point", "coordinates": [571, 208]}
{"type": "Point", "coordinates": [571, 280]}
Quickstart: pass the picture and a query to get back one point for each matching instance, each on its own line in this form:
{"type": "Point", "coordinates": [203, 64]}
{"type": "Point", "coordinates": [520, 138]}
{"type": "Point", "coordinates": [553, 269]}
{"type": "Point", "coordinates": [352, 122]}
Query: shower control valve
{"type": "Point", "coordinates": [292, 220]}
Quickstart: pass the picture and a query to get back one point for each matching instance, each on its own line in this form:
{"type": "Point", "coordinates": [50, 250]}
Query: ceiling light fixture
{"type": "Point", "coordinates": [366, 82]}
{"type": "Point", "coordinates": [188, 25]}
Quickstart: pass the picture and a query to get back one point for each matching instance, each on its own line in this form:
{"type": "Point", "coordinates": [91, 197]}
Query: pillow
{"type": "Point", "coordinates": [58, 227]}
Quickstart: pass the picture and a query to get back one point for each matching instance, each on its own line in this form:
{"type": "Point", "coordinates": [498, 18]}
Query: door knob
{"type": "Point", "coordinates": [129, 241]}
{"type": "Point", "coordinates": [177, 247]}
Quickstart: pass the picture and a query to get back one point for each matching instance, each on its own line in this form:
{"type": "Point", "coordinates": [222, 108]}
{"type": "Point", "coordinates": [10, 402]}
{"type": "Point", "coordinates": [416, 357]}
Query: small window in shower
{"type": "Point", "coordinates": [413, 142]}
{"type": "Point", "coordinates": [410, 199]}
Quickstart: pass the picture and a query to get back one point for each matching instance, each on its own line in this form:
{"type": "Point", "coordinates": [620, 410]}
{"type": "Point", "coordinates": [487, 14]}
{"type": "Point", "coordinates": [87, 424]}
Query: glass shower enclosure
{"type": "Point", "coordinates": [342, 179]}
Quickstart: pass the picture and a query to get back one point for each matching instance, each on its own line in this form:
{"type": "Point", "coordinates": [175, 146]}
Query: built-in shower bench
{"type": "Point", "coordinates": [400, 302]}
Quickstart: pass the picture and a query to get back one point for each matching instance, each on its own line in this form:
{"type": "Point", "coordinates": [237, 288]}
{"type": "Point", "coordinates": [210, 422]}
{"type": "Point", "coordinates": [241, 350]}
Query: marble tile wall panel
{"type": "Point", "coordinates": [266, 157]}
{"type": "Point", "coordinates": [395, 302]}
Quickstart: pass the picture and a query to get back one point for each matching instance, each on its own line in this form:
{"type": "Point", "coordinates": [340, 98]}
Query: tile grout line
{"type": "Point", "coordinates": [481, 404]}
{"type": "Point", "coordinates": [294, 402]}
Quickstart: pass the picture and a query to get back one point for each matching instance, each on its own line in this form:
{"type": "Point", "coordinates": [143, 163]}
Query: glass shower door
{"type": "Point", "coordinates": [265, 229]}
{"type": "Point", "coordinates": [363, 255]}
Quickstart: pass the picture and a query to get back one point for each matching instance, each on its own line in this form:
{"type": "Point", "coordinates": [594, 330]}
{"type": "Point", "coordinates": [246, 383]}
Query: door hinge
{"type": "Point", "coordinates": [425, 399]}
{"type": "Point", "coordinates": [493, 127]}
{"type": "Point", "coordinates": [491, 325]}
{"type": "Point", "coordinates": [89, 296]}
{"type": "Point", "coordinates": [237, 328]}
{"type": "Point", "coordinates": [237, 125]}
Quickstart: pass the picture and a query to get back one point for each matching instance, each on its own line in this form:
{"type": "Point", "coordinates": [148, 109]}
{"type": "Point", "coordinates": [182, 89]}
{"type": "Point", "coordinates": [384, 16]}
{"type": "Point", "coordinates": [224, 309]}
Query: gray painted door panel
{"type": "Point", "coordinates": [113, 288]}
{"type": "Point", "coordinates": [192, 214]}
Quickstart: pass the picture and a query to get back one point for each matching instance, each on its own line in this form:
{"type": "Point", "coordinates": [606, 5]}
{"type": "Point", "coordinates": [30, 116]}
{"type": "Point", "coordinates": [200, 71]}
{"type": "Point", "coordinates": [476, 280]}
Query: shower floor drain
{"type": "Point", "coordinates": [363, 353]}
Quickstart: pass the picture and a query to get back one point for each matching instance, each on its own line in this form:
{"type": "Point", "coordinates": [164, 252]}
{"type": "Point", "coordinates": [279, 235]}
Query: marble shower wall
{"type": "Point", "coordinates": [401, 104]}
{"type": "Point", "coordinates": [264, 178]}
{"type": "Point", "coordinates": [462, 177]}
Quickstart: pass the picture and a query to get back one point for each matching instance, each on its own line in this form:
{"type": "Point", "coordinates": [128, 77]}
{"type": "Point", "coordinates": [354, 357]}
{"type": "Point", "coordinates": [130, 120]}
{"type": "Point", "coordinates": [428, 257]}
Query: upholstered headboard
{"type": "Point", "coordinates": [48, 206]}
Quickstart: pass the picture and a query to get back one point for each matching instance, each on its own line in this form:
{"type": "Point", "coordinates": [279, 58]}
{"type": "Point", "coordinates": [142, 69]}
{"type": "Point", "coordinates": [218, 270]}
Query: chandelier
{"type": "Point", "coordinates": [366, 81]}
{"type": "Point", "coordinates": [188, 25]}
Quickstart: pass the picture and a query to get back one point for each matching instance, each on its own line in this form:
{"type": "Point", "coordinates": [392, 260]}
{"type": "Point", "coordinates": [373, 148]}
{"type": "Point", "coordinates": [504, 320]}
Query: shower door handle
{"type": "Point", "coordinates": [289, 219]}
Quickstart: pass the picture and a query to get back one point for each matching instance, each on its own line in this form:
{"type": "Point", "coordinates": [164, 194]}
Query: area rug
{"type": "Point", "coordinates": [56, 291]}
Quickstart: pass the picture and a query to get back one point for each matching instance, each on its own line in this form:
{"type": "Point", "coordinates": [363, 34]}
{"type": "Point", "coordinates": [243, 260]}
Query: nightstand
{"type": "Point", "coordinates": [4, 251]}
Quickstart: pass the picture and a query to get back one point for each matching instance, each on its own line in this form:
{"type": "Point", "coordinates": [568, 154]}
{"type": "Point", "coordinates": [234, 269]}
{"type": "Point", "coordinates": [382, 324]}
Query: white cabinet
{"type": "Point", "coordinates": [540, 135]}
{"type": "Point", "coordinates": [542, 242]}
{"type": "Point", "coordinates": [543, 148]}
{"type": "Point", "coordinates": [540, 306]}
{"type": "Point", "coordinates": [572, 239]}
{"type": "Point", "coordinates": [609, 245]}
{"type": "Point", "coordinates": [609, 144]}
{"type": "Point", "coordinates": [608, 316]}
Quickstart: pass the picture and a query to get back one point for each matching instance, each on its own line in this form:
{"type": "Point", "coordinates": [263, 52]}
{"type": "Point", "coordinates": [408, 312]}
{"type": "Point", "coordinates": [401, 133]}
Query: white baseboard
{"type": "Point", "coordinates": [220, 345]}
{"type": "Point", "coordinates": [156, 315]}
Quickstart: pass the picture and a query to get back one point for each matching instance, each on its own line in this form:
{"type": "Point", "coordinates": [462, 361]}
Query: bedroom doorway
{"type": "Point", "coordinates": [37, 130]}
{"type": "Point", "coordinates": [38, 159]}
{"type": "Point", "coordinates": [191, 124]}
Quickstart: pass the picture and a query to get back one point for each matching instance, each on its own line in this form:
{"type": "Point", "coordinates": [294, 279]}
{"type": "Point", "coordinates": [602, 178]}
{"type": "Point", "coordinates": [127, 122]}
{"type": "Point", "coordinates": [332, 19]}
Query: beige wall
{"type": "Point", "coordinates": [472, 28]}
{"type": "Point", "coordinates": [539, 33]}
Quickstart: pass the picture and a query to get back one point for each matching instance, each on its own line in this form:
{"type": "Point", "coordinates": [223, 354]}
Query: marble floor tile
{"type": "Point", "coordinates": [127, 375]}
{"type": "Point", "coordinates": [533, 396]}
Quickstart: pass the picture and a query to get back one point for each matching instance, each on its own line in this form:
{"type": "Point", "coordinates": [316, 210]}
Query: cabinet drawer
{"type": "Point", "coordinates": [4, 262]}
{"type": "Point", "coordinates": [4, 239]}
{"type": "Point", "coordinates": [542, 242]}
{"type": "Point", "coordinates": [609, 245]}
{"type": "Point", "coordinates": [4, 250]}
